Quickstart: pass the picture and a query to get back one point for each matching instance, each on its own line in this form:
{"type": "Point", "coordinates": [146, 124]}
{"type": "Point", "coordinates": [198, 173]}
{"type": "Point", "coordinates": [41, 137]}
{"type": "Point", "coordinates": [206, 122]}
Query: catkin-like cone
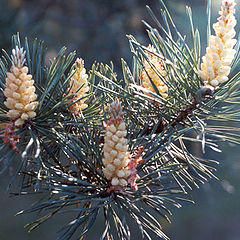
{"type": "Point", "coordinates": [116, 155]}
{"type": "Point", "coordinates": [20, 90]}
{"type": "Point", "coordinates": [149, 72]}
{"type": "Point", "coordinates": [79, 87]}
{"type": "Point", "coordinates": [215, 66]}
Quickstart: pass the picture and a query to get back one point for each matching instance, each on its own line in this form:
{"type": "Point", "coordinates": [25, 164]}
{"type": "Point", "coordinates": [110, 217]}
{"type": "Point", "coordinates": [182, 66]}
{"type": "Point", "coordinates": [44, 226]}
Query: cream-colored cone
{"type": "Point", "coordinates": [116, 155]}
{"type": "Point", "coordinates": [216, 63]}
{"type": "Point", "coordinates": [79, 87]}
{"type": "Point", "coordinates": [20, 90]}
{"type": "Point", "coordinates": [149, 72]}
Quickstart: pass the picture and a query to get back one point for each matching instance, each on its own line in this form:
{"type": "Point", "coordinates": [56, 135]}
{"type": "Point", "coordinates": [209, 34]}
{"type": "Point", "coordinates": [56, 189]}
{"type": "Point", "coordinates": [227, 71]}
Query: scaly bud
{"type": "Point", "coordinates": [18, 57]}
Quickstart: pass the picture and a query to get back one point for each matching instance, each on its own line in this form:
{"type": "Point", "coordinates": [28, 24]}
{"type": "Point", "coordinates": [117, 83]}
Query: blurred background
{"type": "Point", "coordinates": [97, 29]}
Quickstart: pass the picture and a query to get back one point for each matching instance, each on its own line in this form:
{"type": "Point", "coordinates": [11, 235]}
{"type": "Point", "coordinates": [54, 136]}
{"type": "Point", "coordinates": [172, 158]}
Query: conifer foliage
{"type": "Point", "coordinates": [101, 147]}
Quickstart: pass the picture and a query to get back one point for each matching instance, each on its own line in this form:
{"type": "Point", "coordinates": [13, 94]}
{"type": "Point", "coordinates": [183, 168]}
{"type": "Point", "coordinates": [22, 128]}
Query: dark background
{"type": "Point", "coordinates": [97, 29]}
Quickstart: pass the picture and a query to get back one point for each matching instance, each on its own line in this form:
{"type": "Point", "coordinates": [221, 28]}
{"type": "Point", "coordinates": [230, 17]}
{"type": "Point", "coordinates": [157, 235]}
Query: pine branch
{"type": "Point", "coordinates": [95, 144]}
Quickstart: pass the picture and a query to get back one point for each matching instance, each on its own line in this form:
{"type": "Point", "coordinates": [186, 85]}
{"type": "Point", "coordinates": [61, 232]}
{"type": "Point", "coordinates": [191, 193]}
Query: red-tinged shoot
{"type": "Point", "coordinates": [10, 137]}
{"type": "Point", "coordinates": [132, 166]}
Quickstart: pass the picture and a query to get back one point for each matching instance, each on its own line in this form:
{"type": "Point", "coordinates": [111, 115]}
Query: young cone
{"type": "Point", "coordinates": [216, 63]}
{"type": "Point", "coordinates": [116, 155]}
{"type": "Point", "coordinates": [79, 87]}
{"type": "Point", "coordinates": [149, 72]}
{"type": "Point", "coordinates": [20, 90]}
